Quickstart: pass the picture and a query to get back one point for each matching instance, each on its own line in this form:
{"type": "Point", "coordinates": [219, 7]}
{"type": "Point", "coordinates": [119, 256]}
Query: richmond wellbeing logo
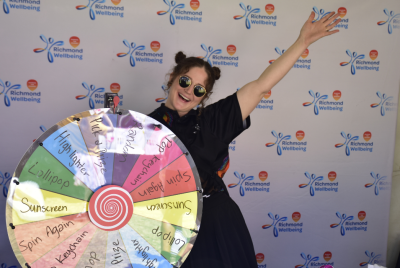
{"type": "Point", "coordinates": [242, 178]}
{"type": "Point", "coordinates": [245, 185]}
{"type": "Point", "coordinates": [319, 13]}
{"type": "Point", "coordinates": [27, 96]}
{"type": "Point", "coordinates": [94, 94]}
{"type": "Point", "coordinates": [321, 102]}
{"type": "Point", "coordinates": [342, 11]}
{"type": "Point", "coordinates": [393, 20]}
{"type": "Point", "coordinates": [49, 45]}
{"type": "Point", "coordinates": [302, 62]}
{"type": "Point", "coordinates": [103, 8]}
{"type": "Point", "coordinates": [385, 104]}
{"type": "Point", "coordinates": [5, 89]}
{"type": "Point", "coordinates": [55, 50]}
{"type": "Point", "coordinates": [266, 103]}
{"type": "Point", "coordinates": [6, 8]}
{"type": "Point", "coordinates": [310, 261]}
{"type": "Point", "coordinates": [315, 183]}
{"type": "Point", "coordinates": [137, 54]}
{"type": "Point", "coordinates": [213, 59]}
{"type": "Point", "coordinates": [357, 63]}
{"type": "Point", "coordinates": [43, 129]}
{"type": "Point", "coordinates": [90, 91]}
{"type": "Point", "coordinates": [12, 92]}
{"type": "Point", "coordinates": [232, 146]}
{"type": "Point", "coordinates": [283, 144]}
{"type": "Point", "coordinates": [251, 16]}
{"type": "Point", "coordinates": [280, 225]}
{"type": "Point", "coordinates": [379, 183]}
{"type": "Point", "coordinates": [26, 5]}
{"type": "Point", "coordinates": [350, 144]}
{"type": "Point", "coordinates": [347, 224]}
{"type": "Point", "coordinates": [5, 182]}
{"type": "Point", "coordinates": [176, 11]}
{"type": "Point", "coordinates": [132, 48]}
{"type": "Point", "coordinates": [114, 88]}
{"type": "Point", "coordinates": [372, 259]}
{"type": "Point", "coordinates": [165, 90]}
{"type": "Point", "coordinates": [260, 259]}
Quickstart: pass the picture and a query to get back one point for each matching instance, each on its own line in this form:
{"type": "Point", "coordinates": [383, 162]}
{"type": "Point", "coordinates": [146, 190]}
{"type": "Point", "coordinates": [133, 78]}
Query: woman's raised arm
{"type": "Point", "coordinates": [250, 95]}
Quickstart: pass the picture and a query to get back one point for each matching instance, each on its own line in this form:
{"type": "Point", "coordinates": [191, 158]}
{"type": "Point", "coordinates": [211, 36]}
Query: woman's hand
{"type": "Point", "coordinates": [312, 31]}
{"type": "Point", "coordinates": [250, 95]}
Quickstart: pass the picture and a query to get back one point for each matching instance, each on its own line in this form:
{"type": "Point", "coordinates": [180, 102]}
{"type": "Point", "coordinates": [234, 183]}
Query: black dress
{"type": "Point", "coordinates": [223, 239]}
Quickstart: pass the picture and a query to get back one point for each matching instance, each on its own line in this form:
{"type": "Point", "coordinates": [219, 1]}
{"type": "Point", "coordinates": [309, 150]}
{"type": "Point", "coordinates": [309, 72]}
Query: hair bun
{"type": "Point", "coordinates": [179, 57]}
{"type": "Point", "coordinates": [217, 72]}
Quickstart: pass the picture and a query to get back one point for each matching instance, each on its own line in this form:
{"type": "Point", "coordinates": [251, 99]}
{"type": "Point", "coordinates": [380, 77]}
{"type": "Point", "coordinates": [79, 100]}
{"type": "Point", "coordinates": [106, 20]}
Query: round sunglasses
{"type": "Point", "coordinates": [198, 90]}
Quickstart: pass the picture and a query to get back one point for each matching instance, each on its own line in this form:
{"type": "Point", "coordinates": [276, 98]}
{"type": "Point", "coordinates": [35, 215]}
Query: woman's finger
{"type": "Point", "coordinates": [311, 17]}
{"type": "Point", "coordinates": [331, 32]}
{"type": "Point", "coordinates": [331, 19]}
{"type": "Point", "coordinates": [332, 25]}
{"type": "Point", "coordinates": [327, 17]}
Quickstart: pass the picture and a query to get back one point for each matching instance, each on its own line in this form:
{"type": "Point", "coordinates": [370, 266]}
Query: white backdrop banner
{"type": "Point", "coordinates": [312, 175]}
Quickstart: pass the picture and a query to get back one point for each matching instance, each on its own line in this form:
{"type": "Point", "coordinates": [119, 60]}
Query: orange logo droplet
{"type": "Point", "coordinates": [332, 175]}
{"type": "Point", "coordinates": [269, 9]}
{"type": "Point", "coordinates": [266, 96]}
{"type": "Point", "coordinates": [74, 41]}
{"type": "Point", "coordinates": [115, 87]}
{"type": "Point", "coordinates": [194, 4]}
{"type": "Point", "coordinates": [300, 135]}
{"type": "Point", "coordinates": [362, 215]}
{"type": "Point", "coordinates": [260, 257]}
{"type": "Point", "coordinates": [367, 135]}
{"type": "Point", "coordinates": [231, 49]}
{"type": "Point", "coordinates": [337, 94]}
{"type": "Point", "coordinates": [263, 175]}
{"type": "Point", "coordinates": [116, 2]}
{"type": "Point", "coordinates": [327, 256]}
{"type": "Point", "coordinates": [296, 216]}
{"type": "Point", "coordinates": [305, 53]}
{"type": "Point", "coordinates": [342, 11]}
{"type": "Point", "coordinates": [32, 84]}
{"type": "Point", "coordinates": [155, 46]}
{"type": "Point", "coordinates": [373, 54]}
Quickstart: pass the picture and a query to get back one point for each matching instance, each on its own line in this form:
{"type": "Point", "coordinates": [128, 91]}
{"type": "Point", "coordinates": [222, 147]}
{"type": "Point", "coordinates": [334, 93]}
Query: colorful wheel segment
{"type": "Point", "coordinates": [100, 189]}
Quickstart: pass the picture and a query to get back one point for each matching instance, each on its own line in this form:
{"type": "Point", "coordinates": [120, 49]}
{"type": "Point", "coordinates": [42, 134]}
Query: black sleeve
{"type": "Point", "coordinates": [225, 119]}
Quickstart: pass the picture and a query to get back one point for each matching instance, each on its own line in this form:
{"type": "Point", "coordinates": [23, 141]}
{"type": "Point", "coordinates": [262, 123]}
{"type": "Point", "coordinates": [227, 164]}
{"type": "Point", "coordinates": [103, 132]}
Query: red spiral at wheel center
{"type": "Point", "coordinates": [110, 208]}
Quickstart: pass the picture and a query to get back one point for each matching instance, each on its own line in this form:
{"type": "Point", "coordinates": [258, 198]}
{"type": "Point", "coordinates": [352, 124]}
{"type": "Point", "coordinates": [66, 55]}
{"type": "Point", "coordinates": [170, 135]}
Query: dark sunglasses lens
{"type": "Point", "coordinates": [184, 81]}
{"type": "Point", "coordinates": [199, 91]}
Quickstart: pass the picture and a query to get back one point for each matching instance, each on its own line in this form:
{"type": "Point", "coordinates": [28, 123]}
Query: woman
{"type": "Point", "coordinates": [223, 240]}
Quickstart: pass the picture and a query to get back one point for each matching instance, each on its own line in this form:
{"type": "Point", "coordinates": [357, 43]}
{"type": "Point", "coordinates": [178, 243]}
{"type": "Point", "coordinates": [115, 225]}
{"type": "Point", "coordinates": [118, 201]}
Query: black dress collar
{"type": "Point", "coordinates": [171, 116]}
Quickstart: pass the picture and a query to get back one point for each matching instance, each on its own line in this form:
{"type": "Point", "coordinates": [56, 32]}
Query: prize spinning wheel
{"type": "Point", "coordinates": [100, 189]}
